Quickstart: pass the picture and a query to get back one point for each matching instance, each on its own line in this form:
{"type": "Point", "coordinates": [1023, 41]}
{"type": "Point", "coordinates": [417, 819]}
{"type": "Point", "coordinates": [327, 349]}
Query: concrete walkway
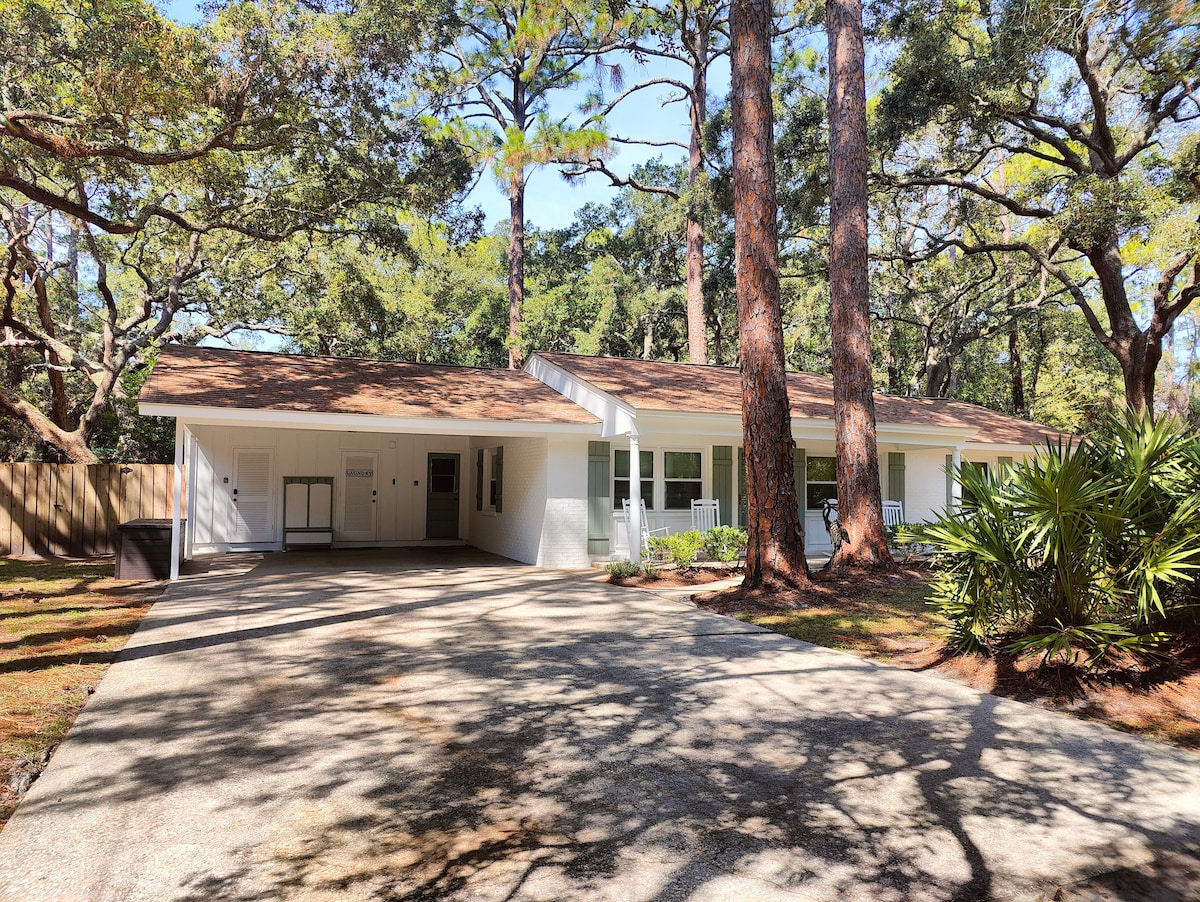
{"type": "Point", "coordinates": [379, 726]}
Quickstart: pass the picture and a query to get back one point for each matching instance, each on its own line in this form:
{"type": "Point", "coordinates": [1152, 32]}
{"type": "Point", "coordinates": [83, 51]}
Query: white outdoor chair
{"type": "Point", "coordinates": [647, 532]}
{"type": "Point", "coordinates": [706, 512]}
{"type": "Point", "coordinates": [893, 513]}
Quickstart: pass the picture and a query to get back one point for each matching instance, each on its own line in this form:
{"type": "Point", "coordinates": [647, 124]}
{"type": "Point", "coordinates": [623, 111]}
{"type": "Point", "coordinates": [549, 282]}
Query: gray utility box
{"type": "Point", "coordinates": [144, 549]}
{"type": "Point", "coordinates": [307, 512]}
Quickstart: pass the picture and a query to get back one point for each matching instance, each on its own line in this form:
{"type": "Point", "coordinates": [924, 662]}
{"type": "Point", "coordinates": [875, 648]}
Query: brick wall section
{"type": "Point", "coordinates": [565, 528]}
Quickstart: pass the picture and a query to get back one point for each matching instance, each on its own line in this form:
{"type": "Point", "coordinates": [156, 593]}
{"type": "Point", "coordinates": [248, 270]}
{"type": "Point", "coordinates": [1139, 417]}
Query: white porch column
{"type": "Point", "coordinates": [634, 524]}
{"type": "Point", "coordinates": [177, 498]}
{"type": "Point", "coordinates": [189, 467]}
{"type": "Point", "coordinates": [955, 484]}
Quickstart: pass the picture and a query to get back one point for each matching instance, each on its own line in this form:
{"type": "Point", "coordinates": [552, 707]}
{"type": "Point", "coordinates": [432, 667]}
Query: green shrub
{"type": "Point", "coordinates": [680, 549]}
{"type": "Point", "coordinates": [623, 569]}
{"type": "Point", "coordinates": [1086, 548]}
{"type": "Point", "coordinates": [725, 543]}
{"type": "Point", "coordinates": [904, 537]}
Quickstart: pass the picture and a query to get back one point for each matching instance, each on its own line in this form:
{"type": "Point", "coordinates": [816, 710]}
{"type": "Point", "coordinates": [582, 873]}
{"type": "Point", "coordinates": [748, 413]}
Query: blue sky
{"type": "Point", "coordinates": [550, 201]}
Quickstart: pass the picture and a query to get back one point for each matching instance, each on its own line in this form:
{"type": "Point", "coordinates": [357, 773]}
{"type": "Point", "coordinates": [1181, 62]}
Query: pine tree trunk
{"type": "Point", "coordinates": [775, 556]}
{"type": "Point", "coordinates": [1018, 378]}
{"type": "Point", "coordinates": [860, 505]}
{"type": "Point", "coordinates": [697, 323]}
{"type": "Point", "coordinates": [516, 269]}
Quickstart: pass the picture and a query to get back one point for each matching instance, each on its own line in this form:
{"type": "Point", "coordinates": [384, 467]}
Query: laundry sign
{"type": "Point", "coordinates": [370, 474]}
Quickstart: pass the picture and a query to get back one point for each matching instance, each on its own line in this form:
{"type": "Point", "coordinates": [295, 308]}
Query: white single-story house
{"type": "Point", "coordinates": [282, 451]}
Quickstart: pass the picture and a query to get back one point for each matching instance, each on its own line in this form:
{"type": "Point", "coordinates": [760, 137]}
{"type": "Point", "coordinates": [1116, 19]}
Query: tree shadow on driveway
{"type": "Point", "coordinates": [508, 733]}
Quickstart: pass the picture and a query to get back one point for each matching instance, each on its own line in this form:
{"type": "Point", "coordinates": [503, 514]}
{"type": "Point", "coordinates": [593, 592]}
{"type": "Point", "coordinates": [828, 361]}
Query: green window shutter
{"type": "Point", "coordinates": [722, 482]}
{"type": "Point", "coordinates": [895, 484]}
{"type": "Point", "coordinates": [599, 498]}
{"type": "Point", "coordinates": [498, 470]}
{"type": "Point", "coordinates": [743, 518]}
{"type": "Point", "coordinates": [949, 480]}
{"type": "Point", "coordinates": [1004, 465]}
{"type": "Point", "coordinates": [800, 466]}
{"type": "Point", "coordinates": [479, 480]}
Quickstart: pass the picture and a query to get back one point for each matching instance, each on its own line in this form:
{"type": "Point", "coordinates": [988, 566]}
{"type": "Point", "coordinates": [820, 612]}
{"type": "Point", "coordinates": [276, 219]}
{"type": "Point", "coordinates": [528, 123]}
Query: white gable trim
{"type": "Point", "coordinates": [617, 417]}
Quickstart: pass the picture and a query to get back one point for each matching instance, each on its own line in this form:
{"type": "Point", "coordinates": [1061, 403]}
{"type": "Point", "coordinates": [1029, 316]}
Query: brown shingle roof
{"type": "Point", "coordinates": [216, 377]}
{"type": "Point", "coordinates": [653, 385]}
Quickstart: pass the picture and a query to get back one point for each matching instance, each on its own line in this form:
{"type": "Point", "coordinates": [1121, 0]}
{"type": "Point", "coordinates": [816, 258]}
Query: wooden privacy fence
{"type": "Point", "coordinates": [73, 510]}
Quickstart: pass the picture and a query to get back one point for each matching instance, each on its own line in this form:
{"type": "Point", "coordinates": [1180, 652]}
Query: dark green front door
{"type": "Point", "coordinates": [441, 506]}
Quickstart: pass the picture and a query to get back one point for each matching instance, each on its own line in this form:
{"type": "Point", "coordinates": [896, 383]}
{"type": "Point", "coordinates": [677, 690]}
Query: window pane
{"type": "Point", "coordinates": [680, 495]}
{"type": "Point", "coordinates": [681, 465]}
{"type": "Point", "coordinates": [621, 464]}
{"type": "Point", "coordinates": [442, 466]}
{"type": "Point", "coordinates": [821, 469]}
{"type": "Point", "coordinates": [441, 482]}
{"type": "Point", "coordinates": [621, 492]}
{"type": "Point", "coordinates": [818, 493]}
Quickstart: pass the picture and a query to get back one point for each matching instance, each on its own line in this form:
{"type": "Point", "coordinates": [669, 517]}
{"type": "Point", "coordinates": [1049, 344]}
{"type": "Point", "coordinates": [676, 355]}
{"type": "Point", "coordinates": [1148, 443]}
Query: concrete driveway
{"type": "Point", "coordinates": [377, 726]}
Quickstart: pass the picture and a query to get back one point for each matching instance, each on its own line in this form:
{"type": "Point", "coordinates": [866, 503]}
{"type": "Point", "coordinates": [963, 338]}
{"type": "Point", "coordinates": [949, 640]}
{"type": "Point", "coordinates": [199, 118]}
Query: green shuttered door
{"type": "Point", "coordinates": [895, 483]}
{"type": "Point", "coordinates": [599, 498]}
{"type": "Point", "coordinates": [722, 480]}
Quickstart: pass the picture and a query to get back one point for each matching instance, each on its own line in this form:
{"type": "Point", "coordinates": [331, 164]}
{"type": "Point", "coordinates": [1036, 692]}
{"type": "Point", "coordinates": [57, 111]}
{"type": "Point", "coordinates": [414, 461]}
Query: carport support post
{"type": "Point", "coordinates": [635, 500]}
{"type": "Point", "coordinates": [955, 484]}
{"type": "Point", "coordinates": [177, 499]}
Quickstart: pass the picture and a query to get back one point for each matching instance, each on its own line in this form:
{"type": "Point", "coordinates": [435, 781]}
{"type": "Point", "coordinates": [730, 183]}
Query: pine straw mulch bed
{"type": "Point", "coordinates": [884, 616]}
{"type": "Point", "coordinates": [671, 577]}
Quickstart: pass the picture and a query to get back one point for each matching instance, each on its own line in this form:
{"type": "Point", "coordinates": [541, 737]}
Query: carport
{"type": "Point", "coordinates": [282, 451]}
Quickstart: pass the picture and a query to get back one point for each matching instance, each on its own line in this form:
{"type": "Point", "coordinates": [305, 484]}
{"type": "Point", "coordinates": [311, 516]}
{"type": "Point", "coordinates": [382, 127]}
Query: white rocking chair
{"type": "Point", "coordinates": [647, 532]}
{"type": "Point", "coordinates": [706, 513]}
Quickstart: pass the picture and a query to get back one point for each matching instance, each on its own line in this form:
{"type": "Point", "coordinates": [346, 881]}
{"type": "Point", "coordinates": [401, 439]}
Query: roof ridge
{"type": "Point", "coordinates": [334, 357]}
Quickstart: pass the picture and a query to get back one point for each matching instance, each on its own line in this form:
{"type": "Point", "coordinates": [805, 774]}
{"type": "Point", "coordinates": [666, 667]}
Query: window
{"type": "Point", "coordinates": [682, 479]}
{"type": "Point", "coordinates": [821, 481]}
{"type": "Point", "coordinates": [493, 487]}
{"type": "Point", "coordinates": [621, 478]}
{"type": "Point", "coordinates": [489, 480]}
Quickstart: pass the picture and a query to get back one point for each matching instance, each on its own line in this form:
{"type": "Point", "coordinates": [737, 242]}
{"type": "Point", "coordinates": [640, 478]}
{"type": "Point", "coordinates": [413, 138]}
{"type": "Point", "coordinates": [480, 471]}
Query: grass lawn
{"type": "Point", "coordinates": [883, 625]}
{"type": "Point", "coordinates": [61, 625]}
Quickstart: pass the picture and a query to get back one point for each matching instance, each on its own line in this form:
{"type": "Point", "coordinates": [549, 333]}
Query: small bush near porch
{"type": "Point", "coordinates": [61, 625]}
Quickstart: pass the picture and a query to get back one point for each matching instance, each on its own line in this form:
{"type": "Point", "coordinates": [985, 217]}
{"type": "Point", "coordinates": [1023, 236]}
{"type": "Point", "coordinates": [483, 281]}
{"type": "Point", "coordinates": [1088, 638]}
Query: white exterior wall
{"type": "Point", "coordinates": [924, 483]}
{"type": "Point", "coordinates": [543, 516]}
{"type": "Point", "coordinates": [515, 532]}
{"type": "Point", "coordinates": [400, 479]}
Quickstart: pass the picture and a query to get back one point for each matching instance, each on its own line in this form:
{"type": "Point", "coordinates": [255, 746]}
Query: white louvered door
{"type": "Point", "coordinates": [359, 507]}
{"type": "Point", "coordinates": [253, 501]}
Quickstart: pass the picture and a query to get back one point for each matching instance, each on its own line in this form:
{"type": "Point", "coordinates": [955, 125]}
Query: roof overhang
{"type": "Point", "coordinates": [357, 422]}
{"type": "Point", "coordinates": [725, 425]}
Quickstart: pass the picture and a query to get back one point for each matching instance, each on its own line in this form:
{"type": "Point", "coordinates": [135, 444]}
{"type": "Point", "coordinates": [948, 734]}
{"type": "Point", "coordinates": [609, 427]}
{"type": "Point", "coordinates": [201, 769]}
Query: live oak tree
{"type": "Point", "coordinates": [145, 166]}
{"type": "Point", "coordinates": [860, 507]}
{"type": "Point", "coordinates": [1096, 101]}
{"type": "Point", "coordinates": [775, 554]}
{"type": "Point", "coordinates": [510, 60]}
